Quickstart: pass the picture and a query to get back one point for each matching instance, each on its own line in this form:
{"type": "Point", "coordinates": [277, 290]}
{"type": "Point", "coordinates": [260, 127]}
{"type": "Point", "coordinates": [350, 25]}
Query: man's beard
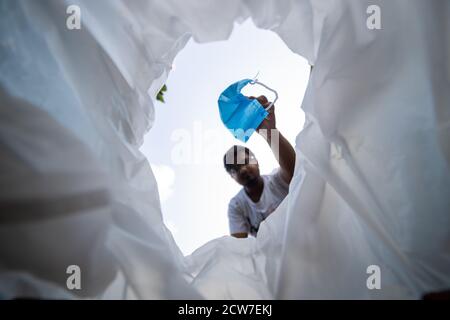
{"type": "Point", "coordinates": [251, 182]}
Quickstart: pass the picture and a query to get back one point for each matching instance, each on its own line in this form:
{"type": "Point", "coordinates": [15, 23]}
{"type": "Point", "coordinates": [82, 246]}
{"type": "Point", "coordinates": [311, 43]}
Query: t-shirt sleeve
{"type": "Point", "coordinates": [278, 183]}
{"type": "Point", "coordinates": [237, 221]}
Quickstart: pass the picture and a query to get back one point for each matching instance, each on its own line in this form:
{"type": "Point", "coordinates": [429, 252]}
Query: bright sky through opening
{"type": "Point", "coordinates": [188, 140]}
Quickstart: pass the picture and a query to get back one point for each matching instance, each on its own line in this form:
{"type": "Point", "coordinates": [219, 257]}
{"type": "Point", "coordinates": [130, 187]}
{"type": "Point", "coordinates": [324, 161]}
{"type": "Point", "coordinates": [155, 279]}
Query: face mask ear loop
{"type": "Point", "coordinates": [255, 81]}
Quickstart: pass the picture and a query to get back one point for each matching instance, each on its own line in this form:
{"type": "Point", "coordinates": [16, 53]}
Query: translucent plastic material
{"type": "Point", "coordinates": [373, 156]}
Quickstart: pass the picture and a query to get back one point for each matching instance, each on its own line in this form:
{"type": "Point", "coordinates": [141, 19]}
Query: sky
{"type": "Point", "coordinates": [186, 144]}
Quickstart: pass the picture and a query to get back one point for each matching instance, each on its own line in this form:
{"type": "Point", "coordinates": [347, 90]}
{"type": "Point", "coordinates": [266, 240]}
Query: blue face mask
{"type": "Point", "coordinates": [241, 115]}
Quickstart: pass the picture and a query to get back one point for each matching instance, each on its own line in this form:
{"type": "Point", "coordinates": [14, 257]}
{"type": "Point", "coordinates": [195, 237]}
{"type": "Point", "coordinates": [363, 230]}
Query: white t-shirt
{"type": "Point", "coordinates": [244, 215]}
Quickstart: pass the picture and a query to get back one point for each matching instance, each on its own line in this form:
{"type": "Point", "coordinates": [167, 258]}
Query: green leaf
{"type": "Point", "coordinates": [160, 95]}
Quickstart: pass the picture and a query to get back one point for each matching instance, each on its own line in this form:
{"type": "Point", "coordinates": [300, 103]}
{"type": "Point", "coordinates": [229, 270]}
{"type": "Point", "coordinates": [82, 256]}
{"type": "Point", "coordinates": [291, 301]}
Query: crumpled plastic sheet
{"type": "Point", "coordinates": [372, 178]}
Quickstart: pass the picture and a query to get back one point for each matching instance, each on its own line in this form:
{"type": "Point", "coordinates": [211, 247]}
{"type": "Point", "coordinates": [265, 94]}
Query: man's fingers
{"type": "Point", "coordinates": [263, 100]}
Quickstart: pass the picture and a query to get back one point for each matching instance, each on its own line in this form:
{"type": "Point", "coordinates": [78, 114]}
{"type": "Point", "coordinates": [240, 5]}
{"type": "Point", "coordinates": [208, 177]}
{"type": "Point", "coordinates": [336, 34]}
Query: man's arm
{"type": "Point", "coordinates": [281, 148]}
{"type": "Point", "coordinates": [237, 222]}
{"type": "Point", "coordinates": [240, 235]}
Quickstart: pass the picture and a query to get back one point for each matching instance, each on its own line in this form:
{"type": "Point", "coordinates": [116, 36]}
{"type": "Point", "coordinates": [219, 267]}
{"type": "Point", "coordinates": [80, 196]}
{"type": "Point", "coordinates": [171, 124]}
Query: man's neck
{"type": "Point", "coordinates": [255, 191]}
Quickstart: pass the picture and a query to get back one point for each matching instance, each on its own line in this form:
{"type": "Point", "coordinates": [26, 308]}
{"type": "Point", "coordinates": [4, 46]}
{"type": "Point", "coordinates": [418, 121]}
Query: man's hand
{"type": "Point", "coordinates": [241, 235]}
{"type": "Point", "coordinates": [269, 123]}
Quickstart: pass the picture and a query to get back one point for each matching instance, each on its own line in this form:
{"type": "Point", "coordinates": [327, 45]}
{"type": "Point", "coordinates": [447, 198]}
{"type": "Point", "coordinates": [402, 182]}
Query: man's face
{"type": "Point", "coordinates": [246, 169]}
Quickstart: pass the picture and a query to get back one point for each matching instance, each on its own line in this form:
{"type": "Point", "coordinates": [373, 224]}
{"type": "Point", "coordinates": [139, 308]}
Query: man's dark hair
{"type": "Point", "coordinates": [230, 157]}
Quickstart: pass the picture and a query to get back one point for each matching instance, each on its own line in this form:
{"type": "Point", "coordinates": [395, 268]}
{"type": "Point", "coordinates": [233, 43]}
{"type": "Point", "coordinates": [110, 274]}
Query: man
{"type": "Point", "coordinates": [260, 195]}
